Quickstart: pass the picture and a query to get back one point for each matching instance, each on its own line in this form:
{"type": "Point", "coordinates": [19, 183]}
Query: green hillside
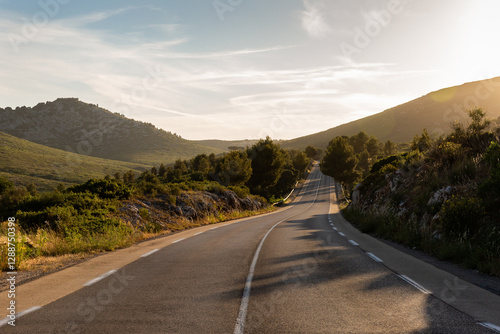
{"type": "Point", "coordinates": [224, 145]}
{"type": "Point", "coordinates": [74, 126]}
{"type": "Point", "coordinates": [434, 111]}
{"type": "Point", "coordinates": [24, 162]}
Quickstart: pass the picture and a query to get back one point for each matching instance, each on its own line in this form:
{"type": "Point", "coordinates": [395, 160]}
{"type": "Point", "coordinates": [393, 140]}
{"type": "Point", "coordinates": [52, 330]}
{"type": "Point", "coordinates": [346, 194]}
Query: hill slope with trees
{"type": "Point", "coordinates": [74, 126]}
{"type": "Point", "coordinates": [435, 112]}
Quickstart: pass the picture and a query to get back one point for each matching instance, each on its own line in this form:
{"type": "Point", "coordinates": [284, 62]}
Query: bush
{"type": "Point", "coordinates": [461, 215]}
{"type": "Point", "coordinates": [110, 189]}
{"type": "Point", "coordinates": [240, 191]}
{"type": "Point", "coordinates": [392, 160]}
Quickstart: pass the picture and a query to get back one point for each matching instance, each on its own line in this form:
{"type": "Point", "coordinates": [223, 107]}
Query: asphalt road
{"type": "Point", "coordinates": [286, 272]}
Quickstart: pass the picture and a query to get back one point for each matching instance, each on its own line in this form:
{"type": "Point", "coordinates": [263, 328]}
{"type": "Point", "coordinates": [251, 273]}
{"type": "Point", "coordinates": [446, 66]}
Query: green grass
{"type": "Point", "coordinates": [24, 162]}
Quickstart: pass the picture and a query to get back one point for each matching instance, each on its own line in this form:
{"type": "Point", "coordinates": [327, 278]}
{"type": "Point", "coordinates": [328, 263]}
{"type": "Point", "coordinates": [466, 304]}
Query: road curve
{"type": "Point", "coordinates": [286, 272]}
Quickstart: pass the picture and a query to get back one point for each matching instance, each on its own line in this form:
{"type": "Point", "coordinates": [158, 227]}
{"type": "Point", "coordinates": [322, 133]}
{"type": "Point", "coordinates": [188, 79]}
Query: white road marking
{"type": "Point", "coordinates": [374, 257]}
{"type": "Point", "coordinates": [331, 224]}
{"type": "Point", "coordinates": [242, 315]}
{"type": "Point", "coordinates": [415, 284]}
{"type": "Point", "coordinates": [490, 326]}
{"type": "Point", "coordinates": [341, 234]}
{"type": "Point", "coordinates": [6, 320]}
{"type": "Point", "coordinates": [213, 228]}
{"type": "Point", "coordinates": [335, 229]}
{"type": "Point", "coordinates": [149, 253]}
{"type": "Point", "coordinates": [100, 278]}
{"type": "Point", "coordinates": [178, 240]}
{"type": "Point", "coordinates": [199, 233]}
{"type": "Point", "coordinates": [354, 243]}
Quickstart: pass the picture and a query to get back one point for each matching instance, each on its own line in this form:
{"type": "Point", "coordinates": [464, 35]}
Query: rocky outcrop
{"type": "Point", "coordinates": [190, 206]}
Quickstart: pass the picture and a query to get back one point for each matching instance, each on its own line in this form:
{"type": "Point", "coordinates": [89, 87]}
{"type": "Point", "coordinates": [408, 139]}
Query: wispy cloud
{"type": "Point", "coordinates": [313, 19]}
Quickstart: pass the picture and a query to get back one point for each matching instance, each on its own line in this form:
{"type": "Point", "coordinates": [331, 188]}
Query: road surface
{"type": "Point", "coordinates": [296, 270]}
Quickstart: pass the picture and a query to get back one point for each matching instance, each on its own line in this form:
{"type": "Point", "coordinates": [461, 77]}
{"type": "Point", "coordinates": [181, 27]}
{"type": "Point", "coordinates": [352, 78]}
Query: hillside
{"type": "Point", "coordinates": [24, 162]}
{"type": "Point", "coordinates": [224, 145]}
{"type": "Point", "coordinates": [434, 111]}
{"type": "Point", "coordinates": [74, 126]}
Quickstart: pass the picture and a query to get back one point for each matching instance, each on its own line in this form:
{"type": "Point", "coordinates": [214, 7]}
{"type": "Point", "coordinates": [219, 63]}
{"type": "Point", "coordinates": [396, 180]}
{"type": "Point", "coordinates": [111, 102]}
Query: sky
{"type": "Point", "coordinates": [237, 69]}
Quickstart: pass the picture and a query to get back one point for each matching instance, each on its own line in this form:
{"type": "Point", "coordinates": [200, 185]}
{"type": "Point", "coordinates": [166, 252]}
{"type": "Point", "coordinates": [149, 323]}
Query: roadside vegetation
{"type": "Point", "coordinates": [441, 195]}
{"type": "Point", "coordinates": [118, 210]}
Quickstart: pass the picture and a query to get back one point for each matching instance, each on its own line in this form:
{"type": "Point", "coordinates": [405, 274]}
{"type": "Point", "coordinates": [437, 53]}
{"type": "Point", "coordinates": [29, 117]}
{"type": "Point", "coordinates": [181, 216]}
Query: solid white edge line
{"type": "Point", "coordinates": [354, 243]}
{"type": "Point", "coordinates": [374, 257]}
{"type": "Point", "coordinates": [415, 284]}
{"type": "Point", "coordinates": [6, 320]}
{"type": "Point", "coordinates": [178, 240]}
{"type": "Point", "coordinates": [199, 233]}
{"type": "Point", "coordinates": [490, 326]}
{"type": "Point", "coordinates": [103, 276]}
{"type": "Point", "coordinates": [242, 315]}
{"type": "Point", "coordinates": [149, 253]}
{"type": "Point", "coordinates": [213, 228]}
{"type": "Point", "coordinates": [341, 234]}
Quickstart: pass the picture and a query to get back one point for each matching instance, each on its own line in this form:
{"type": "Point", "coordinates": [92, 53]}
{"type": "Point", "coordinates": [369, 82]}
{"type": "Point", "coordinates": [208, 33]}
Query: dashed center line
{"type": "Point", "coordinates": [149, 253]}
{"type": "Point", "coordinates": [341, 234]}
{"type": "Point", "coordinates": [354, 243]}
{"type": "Point", "coordinates": [5, 321]}
{"type": "Point", "coordinates": [490, 326]}
{"type": "Point", "coordinates": [100, 278]}
{"type": "Point", "coordinates": [178, 240]}
{"type": "Point", "coordinates": [374, 257]}
{"type": "Point", "coordinates": [415, 284]}
{"type": "Point", "coordinates": [199, 233]}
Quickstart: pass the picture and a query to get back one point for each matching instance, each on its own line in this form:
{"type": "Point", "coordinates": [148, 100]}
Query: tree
{"type": "Point", "coordinates": [117, 176]}
{"type": "Point", "coordinates": [162, 170]}
{"type": "Point", "coordinates": [129, 176]}
{"type": "Point", "coordinates": [359, 141]}
{"type": "Point", "coordinates": [340, 161]}
{"type": "Point", "coordinates": [389, 148]}
{"type": "Point", "coordinates": [364, 161]}
{"type": "Point", "coordinates": [267, 165]}
{"type": "Point", "coordinates": [422, 143]}
{"type": "Point", "coordinates": [180, 166]}
{"type": "Point", "coordinates": [312, 152]}
{"type": "Point", "coordinates": [373, 147]}
{"type": "Point", "coordinates": [286, 181]}
{"type": "Point", "coordinates": [201, 163]}
{"type": "Point", "coordinates": [235, 168]}
{"type": "Point", "coordinates": [300, 162]}
{"type": "Point", "coordinates": [5, 184]}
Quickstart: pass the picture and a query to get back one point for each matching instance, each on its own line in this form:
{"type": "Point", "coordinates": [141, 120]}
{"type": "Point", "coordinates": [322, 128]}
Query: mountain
{"type": "Point", "coordinates": [435, 112]}
{"type": "Point", "coordinates": [226, 145]}
{"type": "Point", "coordinates": [74, 126]}
{"type": "Point", "coordinates": [25, 162]}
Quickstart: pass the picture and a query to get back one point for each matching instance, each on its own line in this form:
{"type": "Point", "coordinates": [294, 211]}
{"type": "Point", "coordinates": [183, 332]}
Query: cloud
{"type": "Point", "coordinates": [313, 20]}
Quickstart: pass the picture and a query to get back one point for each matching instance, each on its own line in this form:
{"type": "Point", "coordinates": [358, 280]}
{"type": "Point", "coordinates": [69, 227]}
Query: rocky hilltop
{"type": "Point", "coordinates": [71, 125]}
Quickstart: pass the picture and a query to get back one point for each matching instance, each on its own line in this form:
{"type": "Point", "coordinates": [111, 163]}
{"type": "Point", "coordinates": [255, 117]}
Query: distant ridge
{"type": "Point", "coordinates": [434, 111]}
{"type": "Point", "coordinates": [74, 126]}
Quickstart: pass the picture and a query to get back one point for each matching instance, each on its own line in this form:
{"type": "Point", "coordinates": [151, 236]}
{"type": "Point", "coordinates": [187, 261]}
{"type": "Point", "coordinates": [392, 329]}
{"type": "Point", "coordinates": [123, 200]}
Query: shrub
{"type": "Point", "coordinates": [392, 160]}
{"type": "Point", "coordinates": [110, 189]}
{"type": "Point", "coordinates": [240, 191]}
{"type": "Point", "coordinates": [461, 215]}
